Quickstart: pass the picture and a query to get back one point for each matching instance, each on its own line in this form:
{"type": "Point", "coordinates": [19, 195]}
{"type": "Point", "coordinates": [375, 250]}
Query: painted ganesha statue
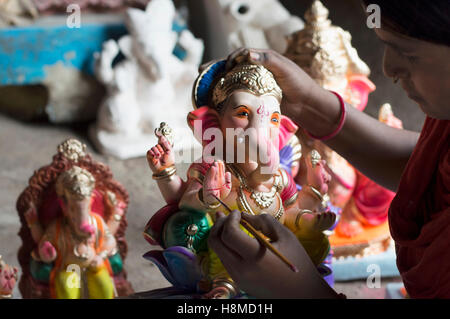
{"type": "Point", "coordinates": [249, 154]}
{"type": "Point", "coordinates": [73, 229]}
{"type": "Point", "coordinates": [325, 52]}
{"type": "Point", "coordinates": [8, 279]}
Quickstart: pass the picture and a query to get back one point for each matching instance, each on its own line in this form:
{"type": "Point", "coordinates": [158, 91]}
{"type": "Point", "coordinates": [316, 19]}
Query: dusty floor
{"type": "Point", "coordinates": [25, 147]}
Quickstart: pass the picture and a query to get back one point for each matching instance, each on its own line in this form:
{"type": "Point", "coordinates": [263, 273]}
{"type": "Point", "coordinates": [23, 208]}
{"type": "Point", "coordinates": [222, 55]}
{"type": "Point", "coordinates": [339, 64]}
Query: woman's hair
{"type": "Point", "coordinates": [423, 20]}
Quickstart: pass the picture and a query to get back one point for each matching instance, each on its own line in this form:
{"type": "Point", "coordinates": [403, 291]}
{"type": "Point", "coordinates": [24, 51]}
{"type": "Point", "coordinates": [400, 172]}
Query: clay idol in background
{"type": "Point", "coordinates": [73, 216]}
{"type": "Point", "coordinates": [150, 85]}
{"type": "Point", "coordinates": [8, 279]}
{"type": "Point", "coordinates": [245, 100]}
{"type": "Point", "coordinates": [325, 52]}
{"type": "Point", "coordinates": [17, 12]}
{"type": "Point", "coordinates": [244, 23]}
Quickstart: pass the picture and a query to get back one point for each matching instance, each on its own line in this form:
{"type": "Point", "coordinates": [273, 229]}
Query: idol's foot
{"type": "Point", "coordinates": [313, 223]}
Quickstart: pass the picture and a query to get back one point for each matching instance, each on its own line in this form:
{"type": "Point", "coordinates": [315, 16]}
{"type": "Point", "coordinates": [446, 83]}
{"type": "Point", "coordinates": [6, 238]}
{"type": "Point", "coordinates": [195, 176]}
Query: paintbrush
{"type": "Point", "coordinates": [260, 237]}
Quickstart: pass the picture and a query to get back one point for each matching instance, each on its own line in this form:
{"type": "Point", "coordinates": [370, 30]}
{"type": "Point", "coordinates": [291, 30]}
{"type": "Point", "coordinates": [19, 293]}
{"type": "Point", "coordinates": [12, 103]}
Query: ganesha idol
{"type": "Point", "coordinates": [8, 279]}
{"type": "Point", "coordinates": [73, 223]}
{"type": "Point", "coordinates": [325, 52]}
{"type": "Point", "coordinates": [242, 169]}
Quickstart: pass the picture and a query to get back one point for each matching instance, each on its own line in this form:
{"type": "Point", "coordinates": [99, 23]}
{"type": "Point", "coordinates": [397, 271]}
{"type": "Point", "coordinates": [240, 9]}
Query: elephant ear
{"type": "Point", "coordinates": [360, 87]}
{"type": "Point", "coordinates": [207, 117]}
{"type": "Point", "coordinates": [287, 130]}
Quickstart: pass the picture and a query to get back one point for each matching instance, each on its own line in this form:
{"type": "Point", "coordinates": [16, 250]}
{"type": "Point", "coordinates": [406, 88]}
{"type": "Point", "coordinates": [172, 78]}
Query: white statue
{"type": "Point", "coordinates": [17, 12]}
{"type": "Point", "coordinates": [150, 86]}
{"type": "Point", "coordinates": [263, 24]}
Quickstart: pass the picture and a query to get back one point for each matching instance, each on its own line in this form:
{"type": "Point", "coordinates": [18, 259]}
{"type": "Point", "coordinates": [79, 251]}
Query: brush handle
{"type": "Point", "coordinates": [260, 237]}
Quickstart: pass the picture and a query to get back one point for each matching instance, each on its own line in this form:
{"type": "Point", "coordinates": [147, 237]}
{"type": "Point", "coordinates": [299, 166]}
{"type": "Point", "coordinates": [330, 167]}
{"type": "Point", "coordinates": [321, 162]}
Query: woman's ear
{"type": "Point", "coordinates": [202, 119]}
{"type": "Point", "coordinates": [287, 129]}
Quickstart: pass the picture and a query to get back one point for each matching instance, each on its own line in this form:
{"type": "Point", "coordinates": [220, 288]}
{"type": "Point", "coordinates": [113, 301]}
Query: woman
{"type": "Point", "coordinates": [417, 38]}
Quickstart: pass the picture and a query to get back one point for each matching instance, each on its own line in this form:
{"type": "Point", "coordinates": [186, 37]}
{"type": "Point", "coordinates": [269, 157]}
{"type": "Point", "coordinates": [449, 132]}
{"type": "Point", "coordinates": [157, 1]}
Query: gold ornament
{"type": "Point", "coordinates": [165, 173]}
{"type": "Point", "coordinates": [315, 158]}
{"type": "Point", "coordinates": [324, 51]}
{"type": "Point", "coordinates": [72, 149]}
{"type": "Point", "coordinates": [385, 112]}
{"type": "Point", "coordinates": [262, 199]}
{"type": "Point", "coordinates": [76, 181]}
{"type": "Point", "coordinates": [166, 131]}
{"type": "Point", "coordinates": [206, 205]}
{"type": "Point", "coordinates": [255, 79]}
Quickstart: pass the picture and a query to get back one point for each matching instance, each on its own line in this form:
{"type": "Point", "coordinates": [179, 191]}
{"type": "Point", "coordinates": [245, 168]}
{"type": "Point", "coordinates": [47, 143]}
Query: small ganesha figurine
{"type": "Point", "coordinates": [8, 279]}
{"type": "Point", "coordinates": [73, 224]}
{"type": "Point", "coordinates": [241, 169]}
{"type": "Point", "coordinates": [325, 52]}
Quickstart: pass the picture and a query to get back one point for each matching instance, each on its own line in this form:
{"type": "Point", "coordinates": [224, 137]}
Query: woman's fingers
{"type": "Point", "coordinates": [207, 64]}
{"type": "Point", "coordinates": [235, 57]}
{"type": "Point", "coordinates": [270, 59]}
{"type": "Point", "coordinates": [215, 241]}
{"type": "Point", "coordinates": [268, 225]}
{"type": "Point", "coordinates": [237, 240]}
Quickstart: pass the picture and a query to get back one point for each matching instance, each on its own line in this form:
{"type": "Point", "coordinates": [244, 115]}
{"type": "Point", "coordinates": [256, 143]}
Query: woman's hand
{"type": "Point", "coordinates": [304, 101]}
{"type": "Point", "coordinates": [297, 86]}
{"type": "Point", "coordinates": [258, 271]}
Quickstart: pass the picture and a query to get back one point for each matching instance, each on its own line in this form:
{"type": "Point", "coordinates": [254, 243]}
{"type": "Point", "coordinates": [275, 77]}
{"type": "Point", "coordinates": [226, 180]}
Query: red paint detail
{"type": "Point", "coordinates": [262, 110]}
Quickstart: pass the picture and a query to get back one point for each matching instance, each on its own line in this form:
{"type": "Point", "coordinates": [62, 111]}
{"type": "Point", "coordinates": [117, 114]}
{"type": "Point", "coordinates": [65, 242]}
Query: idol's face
{"type": "Point", "coordinates": [257, 118]}
{"type": "Point", "coordinates": [423, 70]}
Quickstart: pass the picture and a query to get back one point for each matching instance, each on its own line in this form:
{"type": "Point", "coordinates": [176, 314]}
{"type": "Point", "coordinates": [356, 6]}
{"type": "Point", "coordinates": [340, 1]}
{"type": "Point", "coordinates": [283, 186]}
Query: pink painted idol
{"type": "Point", "coordinates": [237, 119]}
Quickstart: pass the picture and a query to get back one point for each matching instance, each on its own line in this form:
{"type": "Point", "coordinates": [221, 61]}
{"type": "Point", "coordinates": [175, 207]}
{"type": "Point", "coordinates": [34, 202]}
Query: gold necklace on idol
{"type": "Point", "coordinates": [262, 199]}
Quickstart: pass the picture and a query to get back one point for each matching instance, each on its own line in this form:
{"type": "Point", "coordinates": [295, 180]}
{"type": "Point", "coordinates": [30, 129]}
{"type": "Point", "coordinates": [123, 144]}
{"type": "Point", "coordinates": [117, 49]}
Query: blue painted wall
{"type": "Point", "coordinates": [25, 51]}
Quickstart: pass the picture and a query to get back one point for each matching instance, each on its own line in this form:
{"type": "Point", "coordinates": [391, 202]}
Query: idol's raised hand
{"type": "Point", "coordinates": [161, 155]}
{"type": "Point", "coordinates": [217, 183]}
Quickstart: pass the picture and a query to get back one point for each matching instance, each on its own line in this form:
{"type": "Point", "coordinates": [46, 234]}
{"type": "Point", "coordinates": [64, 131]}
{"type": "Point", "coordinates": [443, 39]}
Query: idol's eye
{"type": "Point", "coordinates": [242, 112]}
{"type": "Point", "coordinates": [275, 118]}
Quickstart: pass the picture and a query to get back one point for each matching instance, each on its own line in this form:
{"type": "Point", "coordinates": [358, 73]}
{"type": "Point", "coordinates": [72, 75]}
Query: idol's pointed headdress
{"type": "Point", "coordinates": [324, 50]}
{"type": "Point", "coordinates": [214, 85]}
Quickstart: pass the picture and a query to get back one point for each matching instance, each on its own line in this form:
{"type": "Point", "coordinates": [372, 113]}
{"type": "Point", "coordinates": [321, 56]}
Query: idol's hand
{"type": "Point", "coordinates": [258, 271]}
{"type": "Point", "coordinates": [47, 252]}
{"type": "Point", "coordinates": [161, 155]}
{"type": "Point", "coordinates": [217, 183]}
